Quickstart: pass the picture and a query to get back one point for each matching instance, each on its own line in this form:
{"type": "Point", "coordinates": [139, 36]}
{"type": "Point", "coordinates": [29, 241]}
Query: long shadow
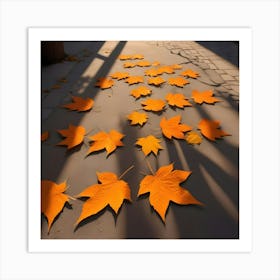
{"type": "Point", "coordinates": [137, 225]}
{"type": "Point", "coordinates": [229, 151]}
{"type": "Point", "coordinates": [53, 158]}
{"type": "Point", "coordinates": [229, 50]}
{"type": "Point", "coordinates": [211, 220]}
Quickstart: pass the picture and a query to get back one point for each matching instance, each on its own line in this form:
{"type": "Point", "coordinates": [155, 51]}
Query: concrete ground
{"type": "Point", "coordinates": [214, 165]}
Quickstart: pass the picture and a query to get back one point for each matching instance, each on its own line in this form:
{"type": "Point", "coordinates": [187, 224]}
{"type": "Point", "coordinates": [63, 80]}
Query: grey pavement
{"type": "Point", "coordinates": [214, 165]}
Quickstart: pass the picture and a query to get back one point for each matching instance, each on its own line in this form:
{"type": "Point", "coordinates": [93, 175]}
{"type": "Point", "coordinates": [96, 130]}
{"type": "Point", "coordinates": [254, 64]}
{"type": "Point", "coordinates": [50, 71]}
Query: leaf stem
{"type": "Point", "coordinates": [126, 171]}
{"type": "Point", "coordinates": [149, 166]}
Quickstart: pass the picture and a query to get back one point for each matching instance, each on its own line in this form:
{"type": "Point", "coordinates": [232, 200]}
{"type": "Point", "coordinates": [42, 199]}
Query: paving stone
{"type": "Point", "coordinates": [204, 66]}
{"type": "Point", "coordinates": [221, 64]}
{"type": "Point", "coordinates": [212, 66]}
{"type": "Point", "coordinates": [226, 77]}
{"type": "Point", "coordinates": [235, 88]}
{"type": "Point", "coordinates": [233, 72]}
{"type": "Point", "coordinates": [214, 76]}
{"type": "Point", "coordinates": [220, 71]}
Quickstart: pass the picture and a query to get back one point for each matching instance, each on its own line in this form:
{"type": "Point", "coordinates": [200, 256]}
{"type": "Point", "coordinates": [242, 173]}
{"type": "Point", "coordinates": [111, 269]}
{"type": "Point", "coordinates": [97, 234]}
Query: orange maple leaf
{"type": "Point", "coordinates": [141, 91]}
{"type": "Point", "coordinates": [211, 129]}
{"type": "Point", "coordinates": [109, 141]}
{"type": "Point", "coordinates": [153, 104]}
{"type": "Point", "coordinates": [124, 57]}
{"type": "Point", "coordinates": [166, 69]}
{"type": "Point", "coordinates": [204, 96]}
{"type": "Point", "coordinates": [137, 118]}
{"type": "Point", "coordinates": [120, 75]}
{"type": "Point", "coordinates": [79, 104]}
{"type": "Point", "coordinates": [156, 81]}
{"type": "Point", "coordinates": [53, 199]}
{"type": "Point", "coordinates": [110, 191]}
{"type": "Point", "coordinates": [149, 144]}
{"type": "Point", "coordinates": [172, 127]}
{"type": "Point", "coordinates": [134, 80]}
{"type": "Point", "coordinates": [74, 136]}
{"type": "Point", "coordinates": [104, 83]}
{"type": "Point", "coordinates": [144, 63]}
{"type": "Point", "coordinates": [164, 187]}
{"type": "Point", "coordinates": [44, 136]}
{"type": "Point", "coordinates": [193, 138]}
{"type": "Point", "coordinates": [177, 99]}
{"type": "Point", "coordinates": [129, 65]}
{"type": "Point", "coordinates": [137, 56]}
{"type": "Point", "coordinates": [153, 72]}
{"type": "Point", "coordinates": [178, 81]}
{"type": "Point", "coordinates": [190, 73]}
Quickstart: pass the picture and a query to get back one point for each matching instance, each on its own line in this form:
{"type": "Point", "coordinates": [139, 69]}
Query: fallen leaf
{"type": "Point", "coordinates": [109, 141]}
{"type": "Point", "coordinates": [211, 129]}
{"type": "Point", "coordinates": [153, 72]}
{"type": "Point", "coordinates": [137, 56]}
{"type": "Point", "coordinates": [137, 118]}
{"type": "Point", "coordinates": [176, 66]}
{"type": "Point", "coordinates": [104, 83]}
{"type": "Point", "coordinates": [120, 75]}
{"type": "Point", "coordinates": [44, 136]}
{"type": "Point", "coordinates": [149, 144]}
{"type": "Point", "coordinates": [178, 81]}
{"type": "Point", "coordinates": [53, 199]}
{"type": "Point", "coordinates": [141, 91]}
{"type": "Point", "coordinates": [190, 73]}
{"type": "Point", "coordinates": [166, 69]}
{"type": "Point", "coordinates": [172, 127]}
{"type": "Point", "coordinates": [110, 191]}
{"type": "Point", "coordinates": [74, 136]}
{"type": "Point", "coordinates": [193, 138]}
{"type": "Point", "coordinates": [155, 105]}
{"type": "Point", "coordinates": [164, 187]}
{"type": "Point", "coordinates": [177, 99]}
{"type": "Point", "coordinates": [134, 80]}
{"type": "Point", "coordinates": [156, 81]}
{"type": "Point", "coordinates": [204, 96]}
{"type": "Point", "coordinates": [144, 63]}
{"type": "Point", "coordinates": [129, 65]}
{"type": "Point", "coordinates": [124, 57]}
{"type": "Point", "coordinates": [79, 104]}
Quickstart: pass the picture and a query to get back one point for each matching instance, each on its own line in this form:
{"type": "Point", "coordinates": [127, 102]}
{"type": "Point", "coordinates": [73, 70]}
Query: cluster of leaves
{"type": "Point", "coordinates": [163, 185]}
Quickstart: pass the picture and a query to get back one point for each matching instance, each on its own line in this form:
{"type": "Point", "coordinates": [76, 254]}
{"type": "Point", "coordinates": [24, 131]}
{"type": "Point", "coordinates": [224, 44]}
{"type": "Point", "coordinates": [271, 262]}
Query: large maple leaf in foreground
{"type": "Point", "coordinates": [52, 199]}
{"type": "Point", "coordinates": [111, 191]}
{"type": "Point", "coordinates": [172, 127]}
{"type": "Point", "coordinates": [109, 141]}
{"type": "Point", "coordinates": [164, 187]}
{"type": "Point", "coordinates": [79, 104]}
{"type": "Point", "coordinates": [204, 96]}
{"type": "Point", "coordinates": [211, 129]}
{"type": "Point", "coordinates": [74, 136]}
{"type": "Point", "coordinates": [149, 144]}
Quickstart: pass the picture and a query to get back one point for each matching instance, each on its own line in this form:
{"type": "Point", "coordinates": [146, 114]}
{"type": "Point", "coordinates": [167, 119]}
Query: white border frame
{"type": "Point", "coordinates": [36, 35]}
